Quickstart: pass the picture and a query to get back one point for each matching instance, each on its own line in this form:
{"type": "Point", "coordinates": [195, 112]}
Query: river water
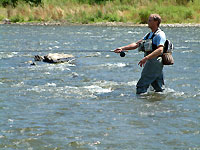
{"type": "Point", "coordinates": [90, 103]}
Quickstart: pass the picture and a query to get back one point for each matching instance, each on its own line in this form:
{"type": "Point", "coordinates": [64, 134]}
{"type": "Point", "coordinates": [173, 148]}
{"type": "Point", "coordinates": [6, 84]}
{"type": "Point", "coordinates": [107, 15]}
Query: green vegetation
{"type": "Point", "coordinates": [91, 11]}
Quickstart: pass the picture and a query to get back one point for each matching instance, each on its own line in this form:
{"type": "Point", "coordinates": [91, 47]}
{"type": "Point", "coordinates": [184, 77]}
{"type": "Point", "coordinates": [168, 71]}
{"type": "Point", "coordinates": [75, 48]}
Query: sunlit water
{"type": "Point", "coordinates": [90, 104]}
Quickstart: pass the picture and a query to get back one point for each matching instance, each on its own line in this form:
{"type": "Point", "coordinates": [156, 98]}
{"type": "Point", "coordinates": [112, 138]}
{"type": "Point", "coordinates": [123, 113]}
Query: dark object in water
{"type": "Point", "coordinates": [38, 58]}
{"type": "Point", "coordinates": [33, 64]}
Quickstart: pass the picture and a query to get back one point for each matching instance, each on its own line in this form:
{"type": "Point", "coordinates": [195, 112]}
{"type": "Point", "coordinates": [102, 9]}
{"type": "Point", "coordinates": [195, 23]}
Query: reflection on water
{"type": "Point", "coordinates": [91, 103]}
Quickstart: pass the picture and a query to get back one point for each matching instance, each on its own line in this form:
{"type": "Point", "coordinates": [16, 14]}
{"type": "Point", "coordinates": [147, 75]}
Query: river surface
{"type": "Point", "coordinates": [90, 103]}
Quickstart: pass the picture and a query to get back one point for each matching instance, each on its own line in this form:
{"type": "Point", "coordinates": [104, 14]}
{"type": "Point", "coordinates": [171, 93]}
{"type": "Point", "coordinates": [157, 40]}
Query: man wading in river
{"type": "Point", "coordinates": [152, 72]}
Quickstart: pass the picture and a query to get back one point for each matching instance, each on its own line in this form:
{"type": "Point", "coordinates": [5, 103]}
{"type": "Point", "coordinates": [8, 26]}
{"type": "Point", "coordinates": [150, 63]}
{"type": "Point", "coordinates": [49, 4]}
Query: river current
{"type": "Point", "coordinates": [90, 103]}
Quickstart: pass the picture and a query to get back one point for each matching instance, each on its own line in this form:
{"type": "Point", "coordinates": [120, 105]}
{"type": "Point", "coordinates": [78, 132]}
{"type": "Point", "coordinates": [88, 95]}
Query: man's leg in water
{"type": "Point", "coordinates": [152, 72]}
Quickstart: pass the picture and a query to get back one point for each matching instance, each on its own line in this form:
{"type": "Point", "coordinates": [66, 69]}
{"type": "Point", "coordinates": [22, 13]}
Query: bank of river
{"type": "Point", "coordinates": [115, 24]}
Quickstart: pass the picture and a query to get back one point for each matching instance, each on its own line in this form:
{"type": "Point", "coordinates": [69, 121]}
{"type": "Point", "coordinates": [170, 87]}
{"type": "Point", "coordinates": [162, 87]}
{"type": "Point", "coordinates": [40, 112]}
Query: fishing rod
{"type": "Point", "coordinates": [57, 50]}
{"type": "Point", "coordinates": [122, 53]}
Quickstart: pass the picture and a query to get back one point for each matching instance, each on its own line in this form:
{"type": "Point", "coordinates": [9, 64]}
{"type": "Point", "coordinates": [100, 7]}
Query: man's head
{"type": "Point", "coordinates": [154, 21]}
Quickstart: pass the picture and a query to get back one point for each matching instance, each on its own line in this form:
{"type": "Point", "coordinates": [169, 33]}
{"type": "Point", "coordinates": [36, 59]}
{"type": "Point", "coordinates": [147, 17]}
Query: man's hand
{"type": "Point", "coordinates": [118, 50]}
{"type": "Point", "coordinates": [143, 61]}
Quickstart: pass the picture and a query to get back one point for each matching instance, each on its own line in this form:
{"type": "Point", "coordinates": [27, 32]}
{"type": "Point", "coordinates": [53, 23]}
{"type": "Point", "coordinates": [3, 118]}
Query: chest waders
{"type": "Point", "coordinates": [152, 73]}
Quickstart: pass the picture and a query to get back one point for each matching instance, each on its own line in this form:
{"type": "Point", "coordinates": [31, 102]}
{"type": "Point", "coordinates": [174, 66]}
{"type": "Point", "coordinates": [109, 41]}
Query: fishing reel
{"type": "Point", "coordinates": [122, 54]}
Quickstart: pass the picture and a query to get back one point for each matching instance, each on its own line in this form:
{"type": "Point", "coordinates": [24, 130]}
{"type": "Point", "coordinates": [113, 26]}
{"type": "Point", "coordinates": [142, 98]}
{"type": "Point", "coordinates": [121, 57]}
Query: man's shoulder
{"type": "Point", "coordinates": [160, 38]}
{"type": "Point", "coordinates": [161, 33]}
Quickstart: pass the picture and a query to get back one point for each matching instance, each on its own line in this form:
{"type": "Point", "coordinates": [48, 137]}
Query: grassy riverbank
{"type": "Point", "coordinates": [74, 11]}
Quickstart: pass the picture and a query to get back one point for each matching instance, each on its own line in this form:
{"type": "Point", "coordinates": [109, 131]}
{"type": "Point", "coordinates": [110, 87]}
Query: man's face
{"type": "Point", "coordinates": [151, 22]}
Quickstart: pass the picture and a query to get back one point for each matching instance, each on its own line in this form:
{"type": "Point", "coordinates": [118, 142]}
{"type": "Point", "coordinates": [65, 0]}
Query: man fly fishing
{"type": "Point", "coordinates": [152, 73]}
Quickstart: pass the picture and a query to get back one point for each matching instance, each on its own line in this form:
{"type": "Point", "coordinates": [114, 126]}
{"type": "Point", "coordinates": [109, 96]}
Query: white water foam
{"type": "Point", "coordinates": [97, 89]}
{"type": "Point", "coordinates": [187, 51]}
{"type": "Point", "coordinates": [192, 41]}
{"type": "Point", "coordinates": [38, 89]}
{"type": "Point", "coordinates": [181, 47]}
{"type": "Point", "coordinates": [60, 67]}
{"type": "Point", "coordinates": [115, 65]}
{"type": "Point", "coordinates": [50, 84]}
{"type": "Point", "coordinates": [8, 55]}
{"type": "Point", "coordinates": [132, 83]}
{"type": "Point", "coordinates": [90, 91]}
{"type": "Point", "coordinates": [104, 83]}
{"type": "Point", "coordinates": [173, 92]}
{"type": "Point", "coordinates": [97, 54]}
{"type": "Point", "coordinates": [20, 84]}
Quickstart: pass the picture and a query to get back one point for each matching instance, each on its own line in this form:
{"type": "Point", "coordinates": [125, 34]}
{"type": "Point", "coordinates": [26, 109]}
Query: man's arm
{"type": "Point", "coordinates": [128, 47]}
{"type": "Point", "coordinates": [154, 54]}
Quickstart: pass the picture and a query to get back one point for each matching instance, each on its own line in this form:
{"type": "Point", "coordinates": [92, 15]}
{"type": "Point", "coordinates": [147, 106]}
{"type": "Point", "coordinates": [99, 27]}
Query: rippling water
{"type": "Point", "coordinates": [91, 103]}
